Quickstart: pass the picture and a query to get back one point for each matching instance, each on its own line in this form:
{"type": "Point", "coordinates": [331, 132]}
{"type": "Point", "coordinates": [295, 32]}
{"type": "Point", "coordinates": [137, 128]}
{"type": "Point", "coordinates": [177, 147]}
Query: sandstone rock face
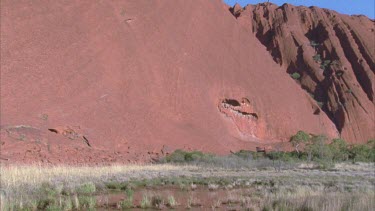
{"type": "Point", "coordinates": [124, 81]}
{"type": "Point", "coordinates": [334, 54]}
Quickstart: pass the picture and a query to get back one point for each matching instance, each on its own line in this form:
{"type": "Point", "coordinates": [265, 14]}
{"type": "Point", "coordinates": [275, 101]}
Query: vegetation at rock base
{"type": "Point", "coordinates": [77, 188]}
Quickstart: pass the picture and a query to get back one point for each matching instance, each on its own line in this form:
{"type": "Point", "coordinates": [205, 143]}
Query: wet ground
{"type": "Point", "coordinates": [200, 198]}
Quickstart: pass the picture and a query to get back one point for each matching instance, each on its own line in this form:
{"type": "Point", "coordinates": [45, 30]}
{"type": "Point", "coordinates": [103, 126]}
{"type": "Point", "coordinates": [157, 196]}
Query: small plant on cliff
{"type": "Point", "coordinates": [349, 91]}
{"type": "Point", "coordinates": [335, 63]}
{"type": "Point", "coordinates": [295, 76]}
{"type": "Point", "coordinates": [314, 44]}
{"type": "Point", "coordinates": [325, 64]}
{"type": "Point", "coordinates": [317, 58]}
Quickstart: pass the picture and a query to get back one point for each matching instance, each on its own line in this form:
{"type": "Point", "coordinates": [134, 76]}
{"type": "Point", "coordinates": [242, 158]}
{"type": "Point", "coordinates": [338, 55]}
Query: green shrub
{"type": "Point", "coordinates": [362, 153]}
{"type": "Point", "coordinates": [295, 76]}
{"type": "Point", "coordinates": [275, 155]}
{"type": "Point", "coordinates": [177, 156]}
{"type": "Point", "coordinates": [317, 58]}
{"type": "Point", "coordinates": [180, 156]}
{"type": "Point", "coordinates": [86, 188]}
{"type": "Point", "coordinates": [318, 149]}
{"type": "Point", "coordinates": [371, 144]}
{"type": "Point", "coordinates": [325, 64]}
{"type": "Point", "coordinates": [314, 44]}
{"type": "Point", "coordinates": [128, 202]}
{"type": "Point", "coordinates": [67, 204]}
{"type": "Point", "coordinates": [299, 139]}
{"type": "Point", "coordinates": [192, 156]}
{"type": "Point", "coordinates": [48, 196]}
{"type": "Point", "coordinates": [87, 202]}
{"type": "Point", "coordinates": [339, 150]}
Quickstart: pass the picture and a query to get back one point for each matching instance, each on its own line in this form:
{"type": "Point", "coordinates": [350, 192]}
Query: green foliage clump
{"type": "Point", "coordinates": [363, 152]}
{"type": "Point", "coordinates": [325, 64]}
{"type": "Point", "coordinates": [300, 138]}
{"type": "Point", "coordinates": [86, 188]}
{"type": "Point", "coordinates": [48, 196]}
{"type": "Point", "coordinates": [339, 150]}
{"type": "Point", "coordinates": [128, 202]}
{"type": "Point", "coordinates": [87, 202]}
{"type": "Point", "coordinates": [308, 147]}
{"type": "Point", "coordinates": [117, 185]}
{"type": "Point", "coordinates": [317, 58]}
{"type": "Point", "coordinates": [295, 76]}
{"type": "Point", "coordinates": [314, 44]}
{"type": "Point", "coordinates": [180, 156]}
{"type": "Point", "coordinates": [318, 148]}
{"type": "Point", "coordinates": [320, 104]}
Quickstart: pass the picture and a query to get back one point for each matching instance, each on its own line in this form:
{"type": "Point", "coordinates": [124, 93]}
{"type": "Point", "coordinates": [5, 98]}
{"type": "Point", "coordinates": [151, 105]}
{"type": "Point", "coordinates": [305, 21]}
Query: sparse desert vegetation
{"type": "Point", "coordinates": [242, 181]}
{"type": "Point", "coordinates": [320, 174]}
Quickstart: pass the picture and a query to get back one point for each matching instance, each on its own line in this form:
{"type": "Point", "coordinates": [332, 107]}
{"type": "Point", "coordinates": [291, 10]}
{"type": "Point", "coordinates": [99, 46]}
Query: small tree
{"type": "Point", "coordinates": [300, 138]}
{"type": "Point", "coordinates": [339, 150]}
{"type": "Point", "coordinates": [318, 149]}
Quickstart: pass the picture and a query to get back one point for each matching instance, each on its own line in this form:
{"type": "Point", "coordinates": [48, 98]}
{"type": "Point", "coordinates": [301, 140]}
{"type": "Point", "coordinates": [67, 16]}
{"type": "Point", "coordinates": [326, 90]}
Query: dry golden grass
{"type": "Point", "coordinates": [14, 176]}
{"type": "Point", "coordinates": [348, 187]}
{"type": "Point", "coordinates": [20, 183]}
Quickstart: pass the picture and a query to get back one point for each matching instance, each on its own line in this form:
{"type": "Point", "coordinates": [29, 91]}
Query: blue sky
{"type": "Point", "coordinates": [351, 7]}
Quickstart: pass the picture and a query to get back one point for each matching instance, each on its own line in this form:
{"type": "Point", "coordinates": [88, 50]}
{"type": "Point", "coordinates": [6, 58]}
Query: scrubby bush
{"type": "Point", "coordinates": [308, 147]}
{"type": "Point", "coordinates": [295, 76]}
{"type": "Point", "coordinates": [325, 64]}
{"type": "Point", "coordinates": [128, 202]}
{"type": "Point", "coordinates": [86, 188]}
{"type": "Point", "coordinates": [180, 156]}
{"type": "Point", "coordinates": [299, 139]}
{"type": "Point", "coordinates": [318, 148]}
{"type": "Point", "coordinates": [339, 150]}
{"type": "Point", "coordinates": [362, 153]}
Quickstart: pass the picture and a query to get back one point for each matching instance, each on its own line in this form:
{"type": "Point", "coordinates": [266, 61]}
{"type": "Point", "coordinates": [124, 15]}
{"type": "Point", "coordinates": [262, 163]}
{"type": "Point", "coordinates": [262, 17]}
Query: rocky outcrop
{"type": "Point", "coordinates": [333, 54]}
{"type": "Point", "coordinates": [143, 78]}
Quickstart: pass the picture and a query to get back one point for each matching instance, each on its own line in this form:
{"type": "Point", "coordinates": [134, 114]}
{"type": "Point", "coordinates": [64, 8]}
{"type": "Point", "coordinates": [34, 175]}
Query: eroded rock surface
{"type": "Point", "coordinates": [143, 78]}
{"type": "Point", "coordinates": [333, 53]}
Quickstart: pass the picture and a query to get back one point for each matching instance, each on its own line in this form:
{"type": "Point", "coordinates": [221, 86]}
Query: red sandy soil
{"type": "Point", "coordinates": [128, 81]}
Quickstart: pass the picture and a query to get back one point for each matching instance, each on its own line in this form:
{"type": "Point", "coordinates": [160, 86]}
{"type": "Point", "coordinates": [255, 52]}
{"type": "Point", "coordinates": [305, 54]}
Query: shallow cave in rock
{"type": "Point", "coordinates": [232, 102]}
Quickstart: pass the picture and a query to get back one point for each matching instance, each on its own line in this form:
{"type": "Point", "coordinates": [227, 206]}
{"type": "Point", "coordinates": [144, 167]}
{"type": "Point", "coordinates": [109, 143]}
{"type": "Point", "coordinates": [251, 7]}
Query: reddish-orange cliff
{"type": "Point", "coordinates": [119, 81]}
{"type": "Point", "coordinates": [334, 55]}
